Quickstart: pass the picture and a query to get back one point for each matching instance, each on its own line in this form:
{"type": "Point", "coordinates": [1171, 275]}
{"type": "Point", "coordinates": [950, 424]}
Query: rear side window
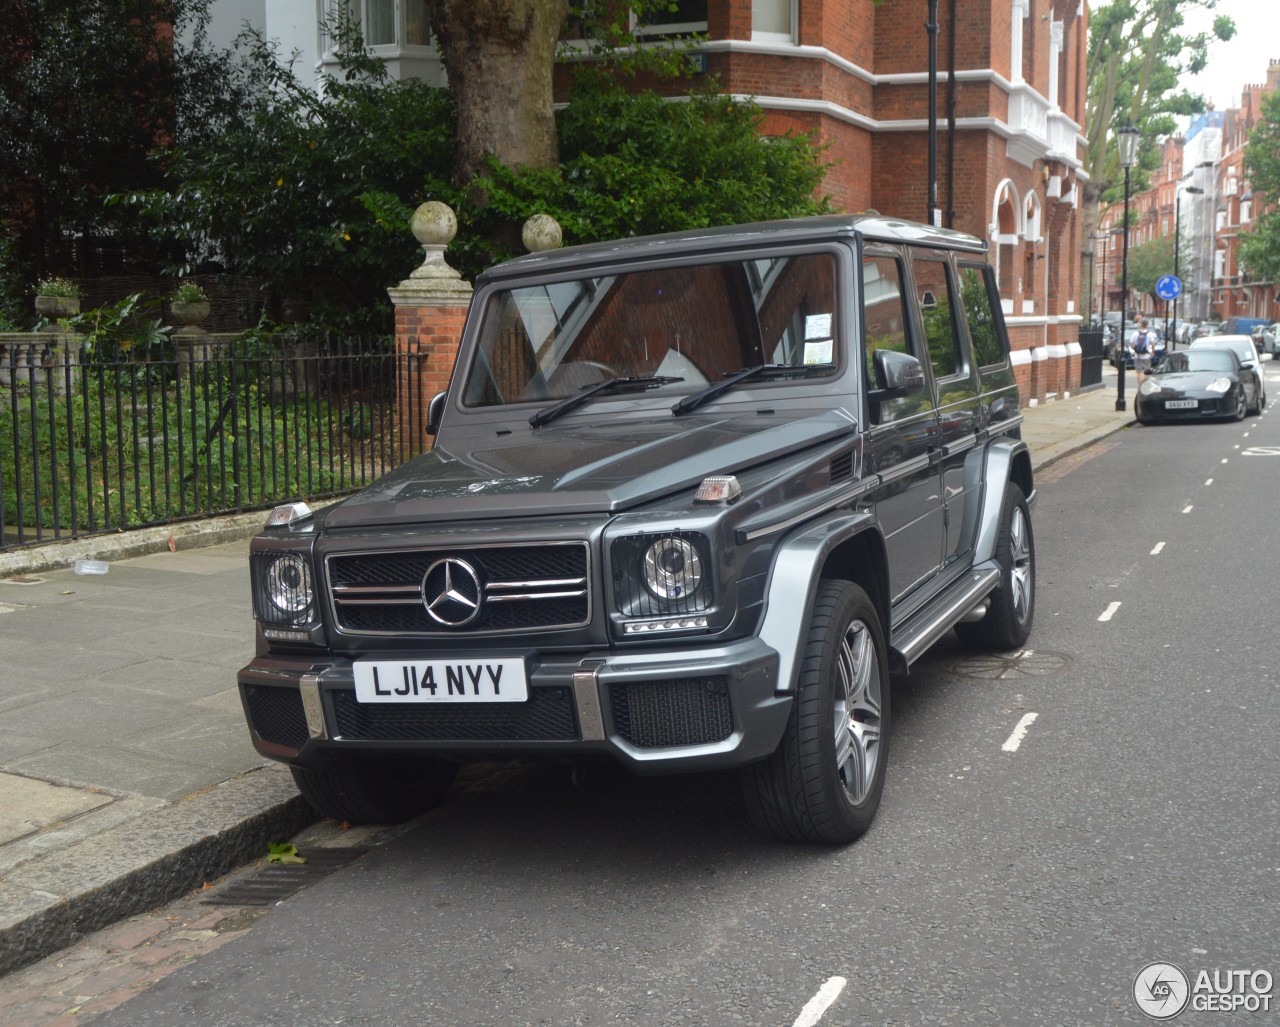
{"type": "Point", "coordinates": [975, 296]}
{"type": "Point", "coordinates": [933, 293]}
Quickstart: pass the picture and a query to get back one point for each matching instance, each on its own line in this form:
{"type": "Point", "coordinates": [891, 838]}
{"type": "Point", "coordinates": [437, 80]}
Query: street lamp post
{"type": "Point", "coordinates": [1177, 252]}
{"type": "Point", "coordinates": [1127, 138]}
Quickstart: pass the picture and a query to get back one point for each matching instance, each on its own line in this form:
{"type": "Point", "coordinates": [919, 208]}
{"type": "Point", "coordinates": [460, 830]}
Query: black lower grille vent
{"type": "Point", "coordinates": [277, 715]}
{"type": "Point", "coordinates": [692, 711]}
{"type": "Point", "coordinates": [547, 715]}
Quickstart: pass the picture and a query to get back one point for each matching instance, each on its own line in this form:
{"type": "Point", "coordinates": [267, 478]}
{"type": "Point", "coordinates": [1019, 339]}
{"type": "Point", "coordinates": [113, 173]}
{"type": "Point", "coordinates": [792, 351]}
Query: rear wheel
{"type": "Point", "coordinates": [1013, 605]}
{"type": "Point", "coordinates": [823, 783]}
{"type": "Point", "coordinates": [370, 789]}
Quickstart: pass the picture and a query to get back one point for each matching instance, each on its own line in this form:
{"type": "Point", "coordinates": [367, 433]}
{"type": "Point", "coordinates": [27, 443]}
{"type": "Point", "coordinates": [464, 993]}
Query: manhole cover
{"type": "Point", "coordinates": [1022, 663]}
{"type": "Point", "coordinates": [269, 884]}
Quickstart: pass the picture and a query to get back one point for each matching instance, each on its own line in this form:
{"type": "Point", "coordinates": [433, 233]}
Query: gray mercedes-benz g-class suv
{"type": "Point", "coordinates": [693, 499]}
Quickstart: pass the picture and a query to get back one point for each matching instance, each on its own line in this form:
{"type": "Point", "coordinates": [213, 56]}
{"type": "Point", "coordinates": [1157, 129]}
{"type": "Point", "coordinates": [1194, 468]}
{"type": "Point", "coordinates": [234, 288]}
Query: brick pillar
{"type": "Point", "coordinates": [431, 308]}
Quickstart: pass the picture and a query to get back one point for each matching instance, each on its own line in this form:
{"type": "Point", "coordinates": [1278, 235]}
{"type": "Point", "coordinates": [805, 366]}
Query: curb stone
{"type": "Point", "coordinates": [49, 903]}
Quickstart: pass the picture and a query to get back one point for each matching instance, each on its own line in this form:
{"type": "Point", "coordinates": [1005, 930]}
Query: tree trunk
{"type": "Point", "coordinates": [499, 56]}
{"type": "Point", "coordinates": [1090, 212]}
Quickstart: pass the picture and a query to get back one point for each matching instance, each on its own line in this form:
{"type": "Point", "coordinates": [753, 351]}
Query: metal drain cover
{"type": "Point", "coordinates": [1022, 663]}
{"type": "Point", "coordinates": [269, 884]}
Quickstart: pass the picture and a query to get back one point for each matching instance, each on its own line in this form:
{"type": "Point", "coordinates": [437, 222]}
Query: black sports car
{"type": "Point", "coordinates": [1196, 385]}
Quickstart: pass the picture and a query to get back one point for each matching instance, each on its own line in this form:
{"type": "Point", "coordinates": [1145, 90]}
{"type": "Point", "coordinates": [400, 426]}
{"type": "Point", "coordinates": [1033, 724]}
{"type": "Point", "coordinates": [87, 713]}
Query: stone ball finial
{"type": "Point", "coordinates": [541, 232]}
{"type": "Point", "coordinates": [434, 224]}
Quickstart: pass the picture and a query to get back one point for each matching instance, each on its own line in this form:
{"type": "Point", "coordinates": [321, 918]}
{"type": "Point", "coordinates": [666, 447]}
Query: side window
{"type": "Point", "coordinates": [933, 293]}
{"type": "Point", "coordinates": [885, 313]}
{"type": "Point", "coordinates": [975, 296]}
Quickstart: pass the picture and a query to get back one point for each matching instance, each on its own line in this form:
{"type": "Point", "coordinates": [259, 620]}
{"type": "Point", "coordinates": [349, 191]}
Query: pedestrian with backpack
{"type": "Point", "coordinates": [1142, 344]}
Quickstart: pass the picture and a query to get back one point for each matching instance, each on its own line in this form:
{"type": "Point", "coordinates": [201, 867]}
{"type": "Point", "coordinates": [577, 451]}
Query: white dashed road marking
{"type": "Point", "coordinates": [1019, 733]}
{"type": "Point", "coordinates": [1159, 547]}
{"type": "Point", "coordinates": [1208, 481]}
{"type": "Point", "coordinates": [1109, 612]}
{"type": "Point", "coordinates": [821, 1002]}
{"type": "Point", "coordinates": [1188, 509]}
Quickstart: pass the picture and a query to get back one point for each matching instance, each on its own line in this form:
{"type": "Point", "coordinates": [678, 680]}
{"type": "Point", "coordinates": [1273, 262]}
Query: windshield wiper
{"type": "Point", "coordinates": [608, 385]}
{"type": "Point", "coordinates": [725, 384]}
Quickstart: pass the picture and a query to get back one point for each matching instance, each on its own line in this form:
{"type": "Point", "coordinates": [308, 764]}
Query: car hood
{"type": "Point", "coordinates": [1190, 381]}
{"type": "Point", "coordinates": [589, 465]}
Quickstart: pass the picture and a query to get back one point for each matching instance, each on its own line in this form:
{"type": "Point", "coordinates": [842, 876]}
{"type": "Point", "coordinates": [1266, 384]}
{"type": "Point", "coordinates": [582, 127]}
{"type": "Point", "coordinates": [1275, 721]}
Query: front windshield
{"type": "Point", "coordinates": [1216, 360]}
{"type": "Point", "coordinates": [694, 323]}
{"type": "Point", "coordinates": [1243, 350]}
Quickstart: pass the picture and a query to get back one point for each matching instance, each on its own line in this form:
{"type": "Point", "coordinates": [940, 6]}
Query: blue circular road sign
{"type": "Point", "coordinates": [1168, 287]}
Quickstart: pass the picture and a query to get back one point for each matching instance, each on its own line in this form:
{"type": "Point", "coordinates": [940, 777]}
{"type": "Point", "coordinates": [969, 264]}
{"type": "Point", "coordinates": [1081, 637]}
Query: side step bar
{"type": "Point", "coordinates": [910, 641]}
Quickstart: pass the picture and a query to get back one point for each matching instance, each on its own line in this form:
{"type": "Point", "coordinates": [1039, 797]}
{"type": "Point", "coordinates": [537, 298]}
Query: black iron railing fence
{"type": "Point", "coordinates": [95, 440]}
{"type": "Point", "coordinates": [1091, 357]}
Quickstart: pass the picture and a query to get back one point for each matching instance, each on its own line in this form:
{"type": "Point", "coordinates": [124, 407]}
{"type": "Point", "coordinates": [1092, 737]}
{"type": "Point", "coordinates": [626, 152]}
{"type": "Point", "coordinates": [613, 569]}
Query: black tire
{"type": "Point", "coordinates": [368, 789]}
{"type": "Point", "coordinates": [1242, 406]}
{"type": "Point", "coordinates": [813, 789]}
{"type": "Point", "coordinates": [1256, 409]}
{"type": "Point", "coordinates": [1012, 609]}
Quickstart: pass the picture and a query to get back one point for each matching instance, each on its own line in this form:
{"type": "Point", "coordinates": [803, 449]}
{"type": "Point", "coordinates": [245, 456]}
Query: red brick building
{"type": "Point", "coordinates": [1218, 207]}
{"type": "Point", "coordinates": [1236, 292]}
{"type": "Point", "coordinates": [1010, 105]}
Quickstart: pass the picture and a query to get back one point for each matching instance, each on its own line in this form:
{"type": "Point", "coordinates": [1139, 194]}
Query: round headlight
{"type": "Point", "coordinates": [1219, 385]}
{"type": "Point", "coordinates": [672, 568]}
{"type": "Point", "coordinates": [1149, 385]}
{"type": "Point", "coordinates": [288, 584]}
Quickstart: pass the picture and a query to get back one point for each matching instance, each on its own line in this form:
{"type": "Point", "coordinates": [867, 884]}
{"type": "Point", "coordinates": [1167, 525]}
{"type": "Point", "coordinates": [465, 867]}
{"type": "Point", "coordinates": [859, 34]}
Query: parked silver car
{"type": "Point", "coordinates": [1242, 346]}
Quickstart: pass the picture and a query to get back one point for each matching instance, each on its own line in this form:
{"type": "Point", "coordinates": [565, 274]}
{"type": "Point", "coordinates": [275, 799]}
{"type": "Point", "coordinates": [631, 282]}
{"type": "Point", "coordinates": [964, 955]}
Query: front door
{"type": "Point", "coordinates": [901, 443]}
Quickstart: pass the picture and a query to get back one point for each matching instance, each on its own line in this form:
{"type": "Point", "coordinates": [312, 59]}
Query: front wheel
{"type": "Point", "coordinates": [366, 789]}
{"type": "Point", "coordinates": [1012, 608]}
{"type": "Point", "coordinates": [1242, 406]}
{"type": "Point", "coordinates": [823, 782]}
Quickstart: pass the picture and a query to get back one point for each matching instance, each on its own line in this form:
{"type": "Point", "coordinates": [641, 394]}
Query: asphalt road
{"type": "Point", "coordinates": [1023, 868]}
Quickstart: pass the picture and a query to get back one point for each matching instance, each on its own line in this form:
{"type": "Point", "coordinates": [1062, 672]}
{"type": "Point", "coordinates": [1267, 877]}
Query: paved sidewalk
{"type": "Point", "coordinates": [126, 773]}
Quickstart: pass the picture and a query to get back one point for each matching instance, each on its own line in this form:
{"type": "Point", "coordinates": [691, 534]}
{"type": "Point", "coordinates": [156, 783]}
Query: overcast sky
{"type": "Point", "coordinates": [1244, 59]}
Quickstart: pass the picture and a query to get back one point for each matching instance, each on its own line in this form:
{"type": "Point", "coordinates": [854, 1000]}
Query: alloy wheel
{"type": "Point", "coordinates": [857, 711]}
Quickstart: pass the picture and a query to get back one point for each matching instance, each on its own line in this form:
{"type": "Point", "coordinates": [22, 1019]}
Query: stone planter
{"type": "Point", "coordinates": [54, 307]}
{"type": "Point", "coordinates": [190, 314]}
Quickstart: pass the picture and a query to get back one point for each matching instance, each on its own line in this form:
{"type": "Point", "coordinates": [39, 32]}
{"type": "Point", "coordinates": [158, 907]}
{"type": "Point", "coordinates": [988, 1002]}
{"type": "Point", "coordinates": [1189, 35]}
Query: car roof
{"type": "Point", "coordinates": [795, 230]}
{"type": "Point", "coordinates": [1221, 341]}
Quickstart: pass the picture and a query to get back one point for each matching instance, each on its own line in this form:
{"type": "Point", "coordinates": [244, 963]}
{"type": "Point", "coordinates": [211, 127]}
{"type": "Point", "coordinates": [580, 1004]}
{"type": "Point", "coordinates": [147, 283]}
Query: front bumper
{"type": "Point", "coordinates": [655, 711]}
{"type": "Point", "coordinates": [1208, 407]}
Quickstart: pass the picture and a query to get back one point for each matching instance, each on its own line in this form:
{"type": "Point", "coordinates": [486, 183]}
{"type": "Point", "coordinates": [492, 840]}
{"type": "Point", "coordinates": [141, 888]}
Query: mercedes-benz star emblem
{"type": "Point", "coordinates": [451, 592]}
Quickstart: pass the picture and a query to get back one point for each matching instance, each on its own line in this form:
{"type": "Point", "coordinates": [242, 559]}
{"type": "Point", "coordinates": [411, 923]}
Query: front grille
{"type": "Point", "coordinates": [276, 715]}
{"type": "Point", "coordinates": [690, 711]}
{"type": "Point", "coordinates": [516, 588]}
{"type": "Point", "coordinates": [546, 716]}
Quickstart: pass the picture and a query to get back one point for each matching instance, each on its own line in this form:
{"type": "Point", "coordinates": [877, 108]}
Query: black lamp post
{"type": "Point", "coordinates": [931, 26]}
{"type": "Point", "coordinates": [1127, 138]}
{"type": "Point", "coordinates": [1177, 252]}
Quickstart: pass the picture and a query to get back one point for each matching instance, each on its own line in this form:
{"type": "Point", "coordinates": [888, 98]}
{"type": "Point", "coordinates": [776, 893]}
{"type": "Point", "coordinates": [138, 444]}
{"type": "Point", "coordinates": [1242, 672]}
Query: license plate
{"type": "Point", "coordinates": [1181, 404]}
{"type": "Point", "coordinates": [448, 681]}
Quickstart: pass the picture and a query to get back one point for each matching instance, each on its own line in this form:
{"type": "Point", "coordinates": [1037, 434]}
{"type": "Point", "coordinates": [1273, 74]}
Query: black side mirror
{"type": "Point", "coordinates": [897, 374]}
{"type": "Point", "coordinates": [435, 410]}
